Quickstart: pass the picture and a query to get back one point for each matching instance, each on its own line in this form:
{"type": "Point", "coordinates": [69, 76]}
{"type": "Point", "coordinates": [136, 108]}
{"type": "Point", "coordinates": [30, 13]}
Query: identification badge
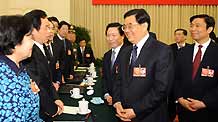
{"type": "Point", "coordinates": [87, 55]}
{"type": "Point", "coordinates": [206, 72]}
{"type": "Point", "coordinates": [69, 52]}
{"type": "Point", "coordinates": [139, 72]}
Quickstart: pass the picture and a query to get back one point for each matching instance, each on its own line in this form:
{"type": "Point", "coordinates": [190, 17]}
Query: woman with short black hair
{"type": "Point", "coordinates": [19, 100]}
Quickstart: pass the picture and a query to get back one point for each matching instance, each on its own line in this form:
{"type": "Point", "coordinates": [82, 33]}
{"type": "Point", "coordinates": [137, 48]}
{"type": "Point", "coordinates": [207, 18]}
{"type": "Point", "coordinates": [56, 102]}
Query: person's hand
{"type": "Point", "coordinates": [119, 108]}
{"type": "Point", "coordinates": [186, 104]}
{"type": "Point", "coordinates": [71, 77]}
{"type": "Point", "coordinates": [62, 79]}
{"type": "Point", "coordinates": [120, 111]}
{"type": "Point", "coordinates": [57, 66]}
{"type": "Point", "coordinates": [196, 104]}
{"type": "Point", "coordinates": [122, 118]}
{"type": "Point", "coordinates": [109, 99]}
{"type": "Point", "coordinates": [56, 85]}
{"type": "Point", "coordinates": [129, 113]}
{"type": "Point", "coordinates": [60, 105]}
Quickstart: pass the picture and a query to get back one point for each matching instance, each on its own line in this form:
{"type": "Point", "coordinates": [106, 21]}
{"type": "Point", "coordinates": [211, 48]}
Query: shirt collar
{"type": "Point", "coordinates": [205, 45]}
{"type": "Point", "coordinates": [178, 46]}
{"type": "Point", "coordinates": [60, 37]}
{"type": "Point", "coordinates": [117, 49]}
{"type": "Point", "coordinates": [40, 46]}
{"type": "Point", "coordinates": [142, 42]}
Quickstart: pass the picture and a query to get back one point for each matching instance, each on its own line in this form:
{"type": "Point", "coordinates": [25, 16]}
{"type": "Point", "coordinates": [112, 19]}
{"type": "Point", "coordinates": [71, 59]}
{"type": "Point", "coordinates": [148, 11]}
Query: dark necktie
{"type": "Point", "coordinates": [65, 48]}
{"type": "Point", "coordinates": [47, 54]}
{"type": "Point", "coordinates": [134, 55]}
{"type": "Point", "coordinates": [113, 58]}
{"type": "Point", "coordinates": [197, 61]}
{"type": "Point", "coordinates": [49, 50]}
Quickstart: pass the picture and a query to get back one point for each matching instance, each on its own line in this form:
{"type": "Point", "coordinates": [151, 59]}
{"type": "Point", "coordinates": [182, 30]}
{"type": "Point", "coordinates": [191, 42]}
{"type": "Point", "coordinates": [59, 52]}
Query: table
{"type": "Point", "coordinates": [99, 113]}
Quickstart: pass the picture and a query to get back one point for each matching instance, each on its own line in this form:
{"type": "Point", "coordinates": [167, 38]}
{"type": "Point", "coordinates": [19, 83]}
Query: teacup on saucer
{"type": "Point", "coordinates": [76, 96]}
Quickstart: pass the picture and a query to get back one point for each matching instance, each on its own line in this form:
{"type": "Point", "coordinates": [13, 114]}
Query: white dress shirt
{"type": "Point", "coordinates": [40, 47]}
{"type": "Point", "coordinates": [203, 49]}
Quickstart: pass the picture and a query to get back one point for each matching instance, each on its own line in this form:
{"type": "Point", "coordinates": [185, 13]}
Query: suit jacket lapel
{"type": "Point", "coordinates": [204, 62]}
{"type": "Point", "coordinates": [127, 68]}
{"type": "Point", "coordinates": [117, 59]}
{"type": "Point", "coordinates": [189, 58]}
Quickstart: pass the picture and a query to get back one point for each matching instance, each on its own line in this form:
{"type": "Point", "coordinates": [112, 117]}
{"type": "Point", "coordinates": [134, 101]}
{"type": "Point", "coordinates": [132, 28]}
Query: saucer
{"type": "Point", "coordinates": [94, 76]}
{"type": "Point", "coordinates": [83, 113]}
{"type": "Point", "coordinates": [97, 101]}
{"type": "Point", "coordinates": [91, 84]}
{"type": "Point", "coordinates": [90, 92]}
{"type": "Point", "coordinates": [90, 87]}
{"type": "Point", "coordinates": [77, 97]}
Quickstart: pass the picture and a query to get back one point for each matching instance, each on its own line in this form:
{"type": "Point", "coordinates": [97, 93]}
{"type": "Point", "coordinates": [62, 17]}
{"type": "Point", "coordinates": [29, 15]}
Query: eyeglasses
{"type": "Point", "coordinates": [129, 26]}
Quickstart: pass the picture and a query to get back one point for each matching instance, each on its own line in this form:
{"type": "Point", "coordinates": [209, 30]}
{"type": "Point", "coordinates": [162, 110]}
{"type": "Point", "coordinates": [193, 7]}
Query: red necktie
{"type": "Point", "coordinates": [196, 62]}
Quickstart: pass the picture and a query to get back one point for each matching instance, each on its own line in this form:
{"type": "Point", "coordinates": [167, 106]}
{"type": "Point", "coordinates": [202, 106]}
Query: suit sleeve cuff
{"type": "Point", "coordinates": [106, 95]}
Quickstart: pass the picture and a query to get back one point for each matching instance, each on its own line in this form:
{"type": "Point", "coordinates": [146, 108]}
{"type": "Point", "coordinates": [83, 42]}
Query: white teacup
{"type": "Point", "coordinates": [93, 74]}
{"type": "Point", "coordinates": [75, 92]}
{"type": "Point", "coordinates": [83, 106]}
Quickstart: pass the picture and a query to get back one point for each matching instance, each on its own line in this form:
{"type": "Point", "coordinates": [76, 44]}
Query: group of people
{"type": "Point", "coordinates": [149, 81]}
{"type": "Point", "coordinates": [144, 80]}
{"type": "Point", "coordinates": [36, 55]}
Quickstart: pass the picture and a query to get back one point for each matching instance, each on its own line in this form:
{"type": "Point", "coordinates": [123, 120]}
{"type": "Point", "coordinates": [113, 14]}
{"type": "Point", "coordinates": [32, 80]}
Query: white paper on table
{"type": "Point", "coordinates": [70, 110]}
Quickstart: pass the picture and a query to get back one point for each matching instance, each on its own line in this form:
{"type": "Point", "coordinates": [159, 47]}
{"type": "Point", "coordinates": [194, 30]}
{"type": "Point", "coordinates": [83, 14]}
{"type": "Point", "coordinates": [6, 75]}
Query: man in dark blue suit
{"type": "Point", "coordinates": [115, 36]}
{"type": "Point", "coordinates": [63, 51]}
{"type": "Point", "coordinates": [85, 53]}
{"type": "Point", "coordinates": [145, 73]}
{"type": "Point", "coordinates": [38, 67]}
{"type": "Point", "coordinates": [180, 36]}
{"type": "Point", "coordinates": [196, 74]}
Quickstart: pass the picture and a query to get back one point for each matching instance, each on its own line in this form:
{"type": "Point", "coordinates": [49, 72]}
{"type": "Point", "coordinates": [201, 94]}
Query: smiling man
{"type": "Point", "coordinates": [144, 75]}
{"type": "Point", "coordinates": [196, 74]}
{"type": "Point", "coordinates": [115, 38]}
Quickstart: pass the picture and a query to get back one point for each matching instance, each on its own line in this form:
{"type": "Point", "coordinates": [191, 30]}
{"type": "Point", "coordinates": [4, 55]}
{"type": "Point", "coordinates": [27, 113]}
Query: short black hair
{"type": "Point", "coordinates": [63, 23]}
{"type": "Point", "coordinates": [183, 31]}
{"type": "Point", "coordinates": [35, 16]}
{"type": "Point", "coordinates": [12, 30]}
{"type": "Point", "coordinates": [117, 25]}
{"type": "Point", "coordinates": [53, 19]}
{"type": "Point", "coordinates": [209, 20]}
{"type": "Point", "coordinates": [141, 16]}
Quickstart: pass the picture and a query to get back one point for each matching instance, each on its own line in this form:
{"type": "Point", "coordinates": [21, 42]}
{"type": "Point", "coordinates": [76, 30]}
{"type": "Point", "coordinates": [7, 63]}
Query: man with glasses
{"type": "Point", "coordinates": [145, 74]}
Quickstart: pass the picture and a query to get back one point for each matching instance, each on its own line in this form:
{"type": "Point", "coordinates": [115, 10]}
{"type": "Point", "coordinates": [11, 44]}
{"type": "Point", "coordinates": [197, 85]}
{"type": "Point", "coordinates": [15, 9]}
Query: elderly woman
{"type": "Point", "coordinates": [19, 100]}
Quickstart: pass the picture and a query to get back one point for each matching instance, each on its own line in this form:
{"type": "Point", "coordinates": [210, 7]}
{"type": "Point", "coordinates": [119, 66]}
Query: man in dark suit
{"type": "Point", "coordinates": [85, 54]}
{"type": "Point", "coordinates": [196, 74]}
{"type": "Point", "coordinates": [55, 22]}
{"type": "Point", "coordinates": [71, 36]}
{"type": "Point", "coordinates": [63, 50]}
{"type": "Point", "coordinates": [145, 74]}
{"type": "Point", "coordinates": [52, 57]}
{"type": "Point", "coordinates": [38, 67]}
{"type": "Point", "coordinates": [180, 36]}
{"type": "Point", "coordinates": [115, 36]}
